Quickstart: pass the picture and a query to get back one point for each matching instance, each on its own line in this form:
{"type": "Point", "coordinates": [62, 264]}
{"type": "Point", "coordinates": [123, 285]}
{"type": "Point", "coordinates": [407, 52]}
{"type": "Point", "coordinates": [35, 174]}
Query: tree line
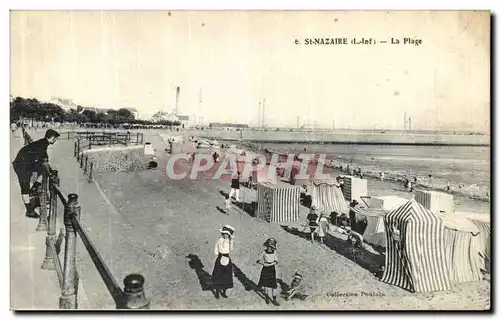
{"type": "Point", "coordinates": [33, 109]}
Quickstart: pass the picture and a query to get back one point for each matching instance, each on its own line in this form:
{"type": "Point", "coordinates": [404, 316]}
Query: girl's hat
{"type": "Point", "coordinates": [272, 243]}
{"type": "Point", "coordinates": [227, 229]}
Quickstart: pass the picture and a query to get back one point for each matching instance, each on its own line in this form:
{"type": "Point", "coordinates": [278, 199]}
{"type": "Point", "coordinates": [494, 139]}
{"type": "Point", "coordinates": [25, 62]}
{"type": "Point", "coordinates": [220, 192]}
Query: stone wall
{"type": "Point", "coordinates": [118, 159]}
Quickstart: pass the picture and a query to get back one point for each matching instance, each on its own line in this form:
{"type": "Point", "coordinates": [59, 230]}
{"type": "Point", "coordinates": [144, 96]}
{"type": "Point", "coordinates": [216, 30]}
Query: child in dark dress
{"type": "Point", "coordinates": [268, 260]}
{"type": "Point", "coordinates": [312, 222]}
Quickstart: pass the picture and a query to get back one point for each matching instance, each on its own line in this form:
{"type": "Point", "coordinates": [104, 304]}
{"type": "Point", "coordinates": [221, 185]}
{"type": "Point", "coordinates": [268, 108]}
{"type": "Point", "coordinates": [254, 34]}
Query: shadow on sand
{"type": "Point", "coordinates": [248, 284]}
{"type": "Point", "coordinates": [362, 257]}
{"type": "Point", "coordinates": [247, 207]}
{"type": "Point", "coordinates": [204, 277]}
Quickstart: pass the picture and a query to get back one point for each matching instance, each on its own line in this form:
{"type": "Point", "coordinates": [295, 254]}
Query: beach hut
{"type": "Point", "coordinates": [482, 222]}
{"type": "Point", "coordinates": [387, 203]}
{"type": "Point", "coordinates": [355, 188]}
{"type": "Point", "coordinates": [278, 202]}
{"type": "Point", "coordinates": [435, 201]}
{"type": "Point", "coordinates": [148, 149]}
{"type": "Point", "coordinates": [328, 197]}
{"type": "Point", "coordinates": [415, 256]}
{"type": "Point", "coordinates": [374, 233]}
{"type": "Point", "coordinates": [462, 241]}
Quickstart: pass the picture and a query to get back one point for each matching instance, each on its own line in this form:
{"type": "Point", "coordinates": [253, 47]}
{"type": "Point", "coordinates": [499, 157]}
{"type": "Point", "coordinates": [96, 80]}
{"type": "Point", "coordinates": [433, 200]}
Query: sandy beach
{"type": "Point", "coordinates": [169, 227]}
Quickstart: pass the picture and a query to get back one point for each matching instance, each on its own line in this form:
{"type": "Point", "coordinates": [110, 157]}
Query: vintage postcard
{"type": "Point", "coordinates": [250, 160]}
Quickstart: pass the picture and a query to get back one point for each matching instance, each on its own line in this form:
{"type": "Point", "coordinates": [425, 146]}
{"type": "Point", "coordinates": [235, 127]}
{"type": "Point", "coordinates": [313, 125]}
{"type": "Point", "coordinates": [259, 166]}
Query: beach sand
{"type": "Point", "coordinates": [169, 228]}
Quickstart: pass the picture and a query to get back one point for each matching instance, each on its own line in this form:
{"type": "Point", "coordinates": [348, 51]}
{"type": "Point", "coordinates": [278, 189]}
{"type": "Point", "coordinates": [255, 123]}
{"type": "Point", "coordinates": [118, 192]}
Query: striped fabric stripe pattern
{"type": "Point", "coordinates": [484, 241]}
{"type": "Point", "coordinates": [278, 203]}
{"type": "Point", "coordinates": [417, 262]}
{"type": "Point", "coordinates": [354, 188]}
{"type": "Point", "coordinates": [328, 198]}
{"type": "Point", "coordinates": [464, 261]}
{"type": "Point", "coordinates": [435, 201]}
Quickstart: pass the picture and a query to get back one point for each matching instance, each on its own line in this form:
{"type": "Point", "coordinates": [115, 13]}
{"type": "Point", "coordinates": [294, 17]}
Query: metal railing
{"type": "Point", "coordinates": [105, 137]}
{"type": "Point", "coordinates": [131, 297]}
{"type": "Point", "coordinates": [99, 138]}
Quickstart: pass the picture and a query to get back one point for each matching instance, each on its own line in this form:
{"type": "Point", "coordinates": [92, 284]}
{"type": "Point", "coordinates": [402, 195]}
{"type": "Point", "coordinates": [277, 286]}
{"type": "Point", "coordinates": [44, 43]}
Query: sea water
{"type": "Point", "coordinates": [466, 169]}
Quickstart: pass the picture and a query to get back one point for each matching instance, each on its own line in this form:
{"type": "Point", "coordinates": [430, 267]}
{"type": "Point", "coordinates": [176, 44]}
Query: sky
{"type": "Point", "coordinates": [114, 59]}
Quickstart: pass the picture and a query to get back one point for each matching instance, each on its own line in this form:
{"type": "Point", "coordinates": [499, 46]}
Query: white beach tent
{"type": "Point", "coordinates": [415, 257]}
{"type": "Point", "coordinates": [374, 233]}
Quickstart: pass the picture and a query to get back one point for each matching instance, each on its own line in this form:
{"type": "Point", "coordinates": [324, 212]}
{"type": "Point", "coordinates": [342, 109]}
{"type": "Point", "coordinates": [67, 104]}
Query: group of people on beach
{"type": "Point", "coordinates": [222, 275]}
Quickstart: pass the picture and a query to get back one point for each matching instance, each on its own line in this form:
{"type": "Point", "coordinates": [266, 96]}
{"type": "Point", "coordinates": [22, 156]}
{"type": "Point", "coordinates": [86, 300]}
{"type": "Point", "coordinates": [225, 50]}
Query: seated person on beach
{"type": "Point", "coordinates": [296, 288]}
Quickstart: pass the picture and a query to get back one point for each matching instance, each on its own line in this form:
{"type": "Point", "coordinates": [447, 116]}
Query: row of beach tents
{"type": "Point", "coordinates": [425, 251]}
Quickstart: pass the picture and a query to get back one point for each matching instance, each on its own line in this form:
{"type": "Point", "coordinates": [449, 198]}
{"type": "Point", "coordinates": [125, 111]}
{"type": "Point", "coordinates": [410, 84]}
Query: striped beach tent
{"type": "Point", "coordinates": [415, 256]}
{"type": "Point", "coordinates": [482, 221]}
{"type": "Point", "coordinates": [462, 243]}
{"type": "Point", "coordinates": [278, 202]}
{"type": "Point", "coordinates": [374, 233]}
{"type": "Point", "coordinates": [328, 197]}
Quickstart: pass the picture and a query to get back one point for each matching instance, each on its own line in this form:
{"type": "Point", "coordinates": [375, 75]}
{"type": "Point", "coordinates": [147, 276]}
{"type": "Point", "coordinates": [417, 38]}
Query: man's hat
{"type": "Point", "coordinates": [51, 133]}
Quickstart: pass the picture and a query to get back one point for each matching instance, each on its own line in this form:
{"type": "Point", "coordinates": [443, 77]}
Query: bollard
{"type": "Point", "coordinates": [90, 171]}
{"type": "Point", "coordinates": [68, 135]}
{"type": "Point", "coordinates": [75, 152]}
{"type": "Point", "coordinates": [90, 143]}
{"type": "Point", "coordinates": [133, 293]}
{"type": "Point", "coordinates": [142, 138]}
{"type": "Point", "coordinates": [81, 160]}
{"type": "Point", "coordinates": [49, 262]}
{"type": "Point", "coordinates": [42, 222]}
{"type": "Point", "coordinates": [86, 162]}
{"type": "Point", "coordinates": [68, 292]}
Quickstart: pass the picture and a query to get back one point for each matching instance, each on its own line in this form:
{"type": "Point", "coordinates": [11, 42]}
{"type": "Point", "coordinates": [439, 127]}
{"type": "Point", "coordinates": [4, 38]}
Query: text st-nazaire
{"type": "Point", "coordinates": [367, 41]}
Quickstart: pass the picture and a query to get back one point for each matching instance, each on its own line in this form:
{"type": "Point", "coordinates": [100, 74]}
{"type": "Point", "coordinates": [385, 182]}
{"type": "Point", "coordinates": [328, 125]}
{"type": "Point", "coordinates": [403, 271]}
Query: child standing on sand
{"type": "Point", "coordinates": [323, 227]}
{"type": "Point", "coordinates": [235, 186]}
{"type": "Point", "coordinates": [312, 222]}
{"type": "Point", "coordinates": [268, 260]}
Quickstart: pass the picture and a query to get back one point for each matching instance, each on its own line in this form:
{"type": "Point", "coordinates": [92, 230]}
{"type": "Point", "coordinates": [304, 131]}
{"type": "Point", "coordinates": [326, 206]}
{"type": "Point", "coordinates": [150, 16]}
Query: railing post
{"type": "Point", "coordinates": [142, 138]}
{"type": "Point", "coordinates": [91, 170]}
{"type": "Point", "coordinates": [75, 152]}
{"type": "Point", "coordinates": [42, 222]}
{"type": "Point", "coordinates": [78, 152]}
{"type": "Point", "coordinates": [48, 262]}
{"type": "Point", "coordinates": [133, 293]}
{"type": "Point", "coordinates": [81, 160]}
{"type": "Point", "coordinates": [137, 138]}
{"type": "Point", "coordinates": [68, 292]}
{"type": "Point", "coordinates": [86, 162]}
{"type": "Point", "coordinates": [68, 135]}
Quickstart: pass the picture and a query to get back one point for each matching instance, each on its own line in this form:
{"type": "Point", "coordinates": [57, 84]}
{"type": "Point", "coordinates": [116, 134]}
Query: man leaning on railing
{"type": "Point", "coordinates": [29, 160]}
